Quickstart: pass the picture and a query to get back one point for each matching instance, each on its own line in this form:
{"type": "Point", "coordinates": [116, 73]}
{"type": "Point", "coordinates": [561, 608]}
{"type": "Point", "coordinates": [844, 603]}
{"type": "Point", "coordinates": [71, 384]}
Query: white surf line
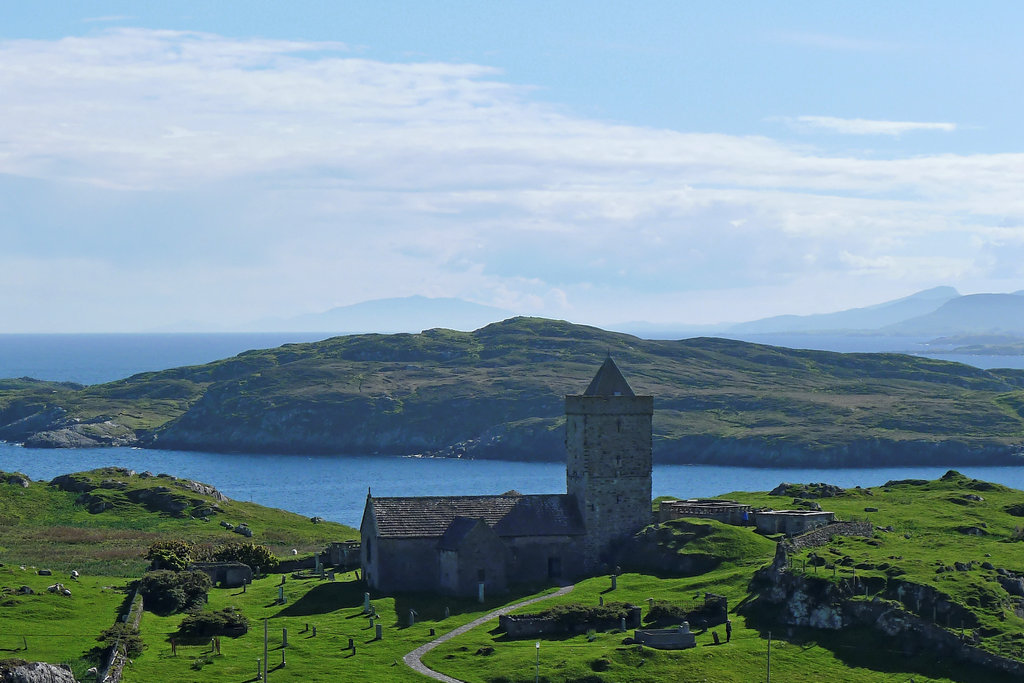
{"type": "Point", "coordinates": [412, 660]}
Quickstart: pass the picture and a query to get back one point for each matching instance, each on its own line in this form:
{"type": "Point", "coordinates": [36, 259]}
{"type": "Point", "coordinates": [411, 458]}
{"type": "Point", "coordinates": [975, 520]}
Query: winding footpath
{"type": "Point", "coordinates": [412, 659]}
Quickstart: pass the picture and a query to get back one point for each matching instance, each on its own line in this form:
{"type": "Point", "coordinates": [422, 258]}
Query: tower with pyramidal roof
{"type": "Point", "coordinates": [608, 460]}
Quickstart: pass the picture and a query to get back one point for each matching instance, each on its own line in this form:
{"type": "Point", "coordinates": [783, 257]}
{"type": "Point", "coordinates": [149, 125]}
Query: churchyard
{"type": "Point", "coordinates": [950, 537]}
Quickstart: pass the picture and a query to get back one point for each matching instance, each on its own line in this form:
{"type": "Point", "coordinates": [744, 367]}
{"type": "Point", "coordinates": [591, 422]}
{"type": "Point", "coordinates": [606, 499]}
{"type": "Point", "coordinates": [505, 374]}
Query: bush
{"type": "Point", "coordinates": [575, 614]}
{"type": "Point", "coordinates": [170, 555]}
{"type": "Point", "coordinates": [247, 553]}
{"type": "Point", "coordinates": [165, 592]}
{"type": "Point", "coordinates": [226, 622]}
{"type": "Point", "coordinates": [127, 636]}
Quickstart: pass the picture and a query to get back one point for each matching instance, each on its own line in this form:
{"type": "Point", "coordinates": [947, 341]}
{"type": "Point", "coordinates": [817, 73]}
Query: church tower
{"type": "Point", "coordinates": [608, 460]}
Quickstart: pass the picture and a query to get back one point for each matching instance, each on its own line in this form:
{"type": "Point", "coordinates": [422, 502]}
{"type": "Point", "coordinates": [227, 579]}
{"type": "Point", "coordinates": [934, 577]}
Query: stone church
{"type": "Point", "coordinates": [453, 544]}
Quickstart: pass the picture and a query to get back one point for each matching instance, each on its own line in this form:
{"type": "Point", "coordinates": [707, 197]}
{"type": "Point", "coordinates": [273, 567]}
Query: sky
{"type": "Point", "coordinates": [201, 165]}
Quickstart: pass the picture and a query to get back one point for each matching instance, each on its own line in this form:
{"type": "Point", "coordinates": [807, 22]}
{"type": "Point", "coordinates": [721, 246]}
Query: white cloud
{"type": "Point", "coordinates": [871, 126]}
{"type": "Point", "coordinates": [281, 175]}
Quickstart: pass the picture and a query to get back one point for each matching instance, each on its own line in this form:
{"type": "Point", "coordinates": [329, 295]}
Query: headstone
{"type": "Point", "coordinates": [259, 669]}
{"type": "Point", "coordinates": [284, 637]}
{"type": "Point", "coordinates": [480, 591]}
{"type": "Point", "coordinates": [371, 621]}
{"type": "Point", "coordinates": [351, 644]}
{"type": "Point", "coordinates": [379, 633]}
{"type": "Point", "coordinates": [280, 595]}
{"type": "Point", "coordinates": [623, 624]}
{"type": "Point", "coordinates": [366, 603]}
{"type": "Point", "coordinates": [412, 617]}
{"type": "Point", "coordinates": [447, 612]}
{"type": "Point", "coordinates": [244, 584]}
{"type": "Point", "coordinates": [614, 581]}
{"type": "Point", "coordinates": [431, 632]}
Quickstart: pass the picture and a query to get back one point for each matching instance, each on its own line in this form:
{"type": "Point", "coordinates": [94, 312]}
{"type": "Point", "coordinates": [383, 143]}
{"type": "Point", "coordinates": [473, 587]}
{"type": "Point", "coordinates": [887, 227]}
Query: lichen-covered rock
{"type": "Point", "coordinates": [20, 671]}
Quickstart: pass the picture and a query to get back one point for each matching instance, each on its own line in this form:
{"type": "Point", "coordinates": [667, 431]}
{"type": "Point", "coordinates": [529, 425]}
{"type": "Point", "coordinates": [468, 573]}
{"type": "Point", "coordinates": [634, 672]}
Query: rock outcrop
{"type": "Point", "coordinates": [19, 671]}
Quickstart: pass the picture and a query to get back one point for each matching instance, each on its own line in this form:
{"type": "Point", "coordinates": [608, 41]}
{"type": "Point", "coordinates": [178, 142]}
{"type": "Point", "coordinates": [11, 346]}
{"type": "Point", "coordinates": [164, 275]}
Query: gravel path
{"type": "Point", "coordinates": [413, 658]}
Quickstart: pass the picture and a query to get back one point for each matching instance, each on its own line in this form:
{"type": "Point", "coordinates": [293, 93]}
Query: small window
{"type": "Point", "coordinates": [369, 550]}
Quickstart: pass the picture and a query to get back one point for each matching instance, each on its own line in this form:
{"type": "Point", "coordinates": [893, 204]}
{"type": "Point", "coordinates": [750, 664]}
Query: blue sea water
{"type": "Point", "coordinates": [335, 486]}
{"type": "Point", "coordinates": [96, 358]}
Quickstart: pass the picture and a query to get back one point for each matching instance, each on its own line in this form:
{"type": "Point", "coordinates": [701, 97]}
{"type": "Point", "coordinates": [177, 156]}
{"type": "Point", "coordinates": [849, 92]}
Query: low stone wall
{"type": "Point", "coordinates": [821, 535]}
{"type": "Point", "coordinates": [529, 625]}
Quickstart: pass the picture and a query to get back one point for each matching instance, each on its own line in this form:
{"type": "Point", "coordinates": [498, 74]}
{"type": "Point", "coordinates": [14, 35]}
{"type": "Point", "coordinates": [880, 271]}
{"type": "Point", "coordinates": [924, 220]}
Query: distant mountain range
{"type": "Point", "coordinates": [975, 320]}
{"type": "Point", "coordinates": [389, 316]}
{"type": "Point", "coordinates": [936, 312]}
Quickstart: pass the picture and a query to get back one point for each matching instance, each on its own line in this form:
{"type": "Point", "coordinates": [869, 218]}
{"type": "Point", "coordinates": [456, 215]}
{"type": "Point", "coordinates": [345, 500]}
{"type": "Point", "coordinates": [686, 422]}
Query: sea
{"type": "Point", "coordinates": [335, 486]}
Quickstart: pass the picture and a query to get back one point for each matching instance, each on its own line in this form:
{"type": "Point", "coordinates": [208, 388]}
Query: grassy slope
{"type": "Point", "coordinates": [42, 525]}
{"type": "Point", "coordinates": [802, 654]}
{"type": "Point", "coordinates": [716, 400]}
{"type": "Point", "coordinates": [925, 542]}
{"type": "Point", "coordinates": [56, 628]}
{"type": "Point", "coordinates": [925, 511]}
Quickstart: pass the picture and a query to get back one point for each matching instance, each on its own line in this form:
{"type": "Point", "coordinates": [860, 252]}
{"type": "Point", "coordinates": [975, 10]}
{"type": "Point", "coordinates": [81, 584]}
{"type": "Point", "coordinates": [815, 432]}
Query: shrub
{"type": "Point", "coordinates": [170, 555]}
{"type": "Point", "coordinates": [165, 592]}
{"type": "Point", "coordinates": [226, 622]}
{"type": "Point", "coordinates": [247, 553]}
{"type": "Point", "coordinates": [127, 636]}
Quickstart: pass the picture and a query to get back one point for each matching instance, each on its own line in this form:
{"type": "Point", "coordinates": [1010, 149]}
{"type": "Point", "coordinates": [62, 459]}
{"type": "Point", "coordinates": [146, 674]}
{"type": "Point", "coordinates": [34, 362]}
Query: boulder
{"type": "Point", "coordinates": [19, 671]}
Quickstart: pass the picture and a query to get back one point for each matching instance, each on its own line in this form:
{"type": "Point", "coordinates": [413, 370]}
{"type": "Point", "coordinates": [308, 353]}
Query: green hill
{"type": "Point", "coordinates": [104, 520]}
{"type": "Point", "coordinates": [497, 393]}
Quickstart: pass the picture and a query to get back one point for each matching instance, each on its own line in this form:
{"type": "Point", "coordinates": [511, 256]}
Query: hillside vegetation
{"type": "Point", "coordinates": [497, 393]}
{"type": "Point", "coordinates": [103, 521]}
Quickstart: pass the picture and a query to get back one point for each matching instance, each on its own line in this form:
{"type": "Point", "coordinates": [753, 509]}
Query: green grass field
{"type": "Point", "coordinates": [931, 526]}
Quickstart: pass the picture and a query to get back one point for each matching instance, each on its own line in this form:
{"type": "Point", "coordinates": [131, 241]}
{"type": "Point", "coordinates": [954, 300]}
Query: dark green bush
{"type": "Point", "coordinates": [226, 622]}
{"type": "Point", "coordinates": [127, 636]}
{"type": "Point", "coordinates": [247, 553]}
{"type": "Point", "coordinates": [165, 592]}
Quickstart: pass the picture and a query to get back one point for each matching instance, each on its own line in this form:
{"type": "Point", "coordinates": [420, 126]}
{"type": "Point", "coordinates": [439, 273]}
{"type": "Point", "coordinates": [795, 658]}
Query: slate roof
{"type": "Point", "coordinates": [457, 532]}
{"type": "Point", "coordinates": [515, 515]}
{"type": "Point", "coordinates": [609, 381]}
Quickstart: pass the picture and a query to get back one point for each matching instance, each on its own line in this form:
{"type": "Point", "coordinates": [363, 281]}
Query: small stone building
{"type": "Point", "coordinates": [791, 522]}
{"type": "Point", "coordinates": [725, 511]}
{"type": "Point", "coordinates": [453, 544]}
{"type": "Point", "coordinates": [224, 574]}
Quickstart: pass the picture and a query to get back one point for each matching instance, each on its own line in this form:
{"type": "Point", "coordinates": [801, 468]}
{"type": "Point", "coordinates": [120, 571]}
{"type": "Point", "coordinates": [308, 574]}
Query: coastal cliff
{"type": "Point", "coordinates": [497, 393]}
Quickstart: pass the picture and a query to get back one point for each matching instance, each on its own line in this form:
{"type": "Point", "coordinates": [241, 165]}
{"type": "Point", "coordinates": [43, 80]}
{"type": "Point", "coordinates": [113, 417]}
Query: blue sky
{"type": "Point", "coordinates": [217, 163]}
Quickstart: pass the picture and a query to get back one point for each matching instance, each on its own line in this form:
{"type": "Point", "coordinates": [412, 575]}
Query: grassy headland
{"type": "Point", "coordinates": [497, 393]}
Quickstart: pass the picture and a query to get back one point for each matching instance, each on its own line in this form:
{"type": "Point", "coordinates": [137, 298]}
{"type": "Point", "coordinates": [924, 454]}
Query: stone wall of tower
{"type": "Point", "coordinates": [608, 467]}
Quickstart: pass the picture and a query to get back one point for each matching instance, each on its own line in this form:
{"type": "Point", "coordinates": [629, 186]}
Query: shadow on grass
{"type": "Point", "coordinates": [864, 647]}
{"type": "Point", "coordinates": [324, 598]}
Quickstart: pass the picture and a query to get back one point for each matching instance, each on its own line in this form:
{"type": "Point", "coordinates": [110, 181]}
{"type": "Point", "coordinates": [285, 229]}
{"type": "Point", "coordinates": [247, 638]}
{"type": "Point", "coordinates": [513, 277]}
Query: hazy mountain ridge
{"type": "Point", "coordinates": [497, 393]}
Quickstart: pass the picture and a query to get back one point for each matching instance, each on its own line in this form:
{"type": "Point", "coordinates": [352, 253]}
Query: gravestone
{"type": "Point", "coordinates": [480, 591]}
{"type": "Point", "coordinates": [379, 632]}
{"type": "Point", "coordinates": [284, 637]}
{"type": "Point", "coordinates": [412, 617]}
{"type": "Point", "coordinates": [614, 581]}
{"type": "Point", "coordinates": [366, 603]}
{"type": "Point", "coordinates": [447, 612]}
